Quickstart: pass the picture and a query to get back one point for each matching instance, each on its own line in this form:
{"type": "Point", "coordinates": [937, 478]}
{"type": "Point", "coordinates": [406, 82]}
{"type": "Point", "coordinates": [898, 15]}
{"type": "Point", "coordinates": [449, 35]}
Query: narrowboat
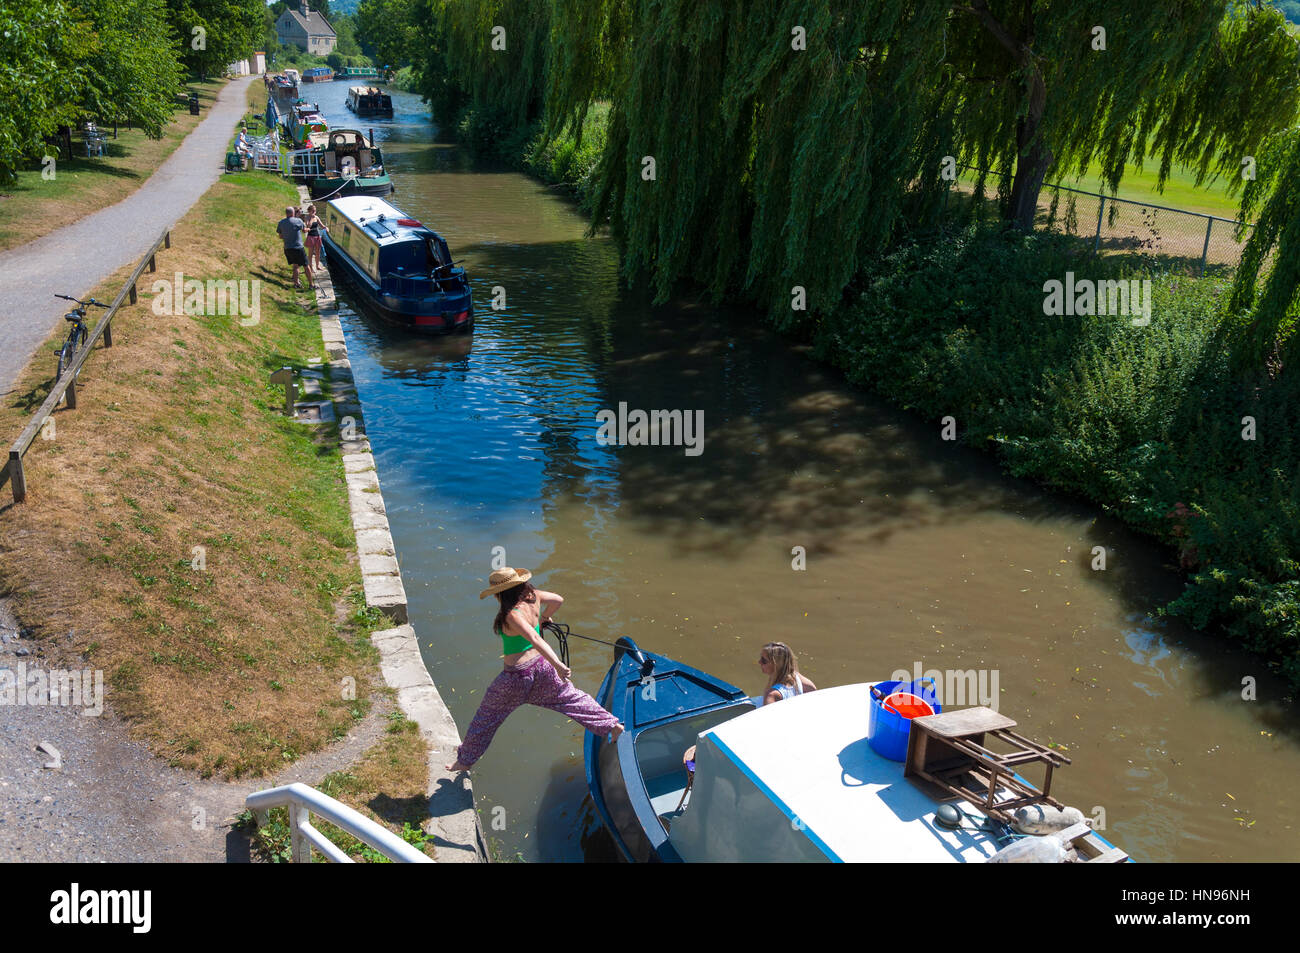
{"type": "Point", "coordinates": [402, 269]}
{"type": "Point", "coordinates": [306, 126]}
{"type": "Point", "coordinates": [369, 101]}
{"type": "Point", "coordinates": [347, 165]}
{"type": "Point", "coordinates": [284, 85]}
{"type": "Point", "coordinates": [318, 74]}
{"type": "Point", "coordinates": [800, 781]}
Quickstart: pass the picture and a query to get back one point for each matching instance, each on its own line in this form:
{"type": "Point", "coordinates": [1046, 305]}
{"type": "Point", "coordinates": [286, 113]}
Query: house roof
{"type": "Point", "coordinates": [313, 24]}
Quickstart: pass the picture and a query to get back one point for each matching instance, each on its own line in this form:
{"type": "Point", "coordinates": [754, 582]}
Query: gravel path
{"type": "Point", "coordinates": [75, 258]}
{"type": "Point", "coordinates": [108, 799]}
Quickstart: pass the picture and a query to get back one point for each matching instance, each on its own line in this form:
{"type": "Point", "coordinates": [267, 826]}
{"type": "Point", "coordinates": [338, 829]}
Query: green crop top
{"type": "Point", "coordinates": [516, 643]}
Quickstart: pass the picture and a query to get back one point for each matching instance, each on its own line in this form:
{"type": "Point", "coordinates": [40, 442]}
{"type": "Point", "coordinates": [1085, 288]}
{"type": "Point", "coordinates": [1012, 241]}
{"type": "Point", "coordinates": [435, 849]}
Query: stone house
{"type": "Point", "coordinates": [306, 29]}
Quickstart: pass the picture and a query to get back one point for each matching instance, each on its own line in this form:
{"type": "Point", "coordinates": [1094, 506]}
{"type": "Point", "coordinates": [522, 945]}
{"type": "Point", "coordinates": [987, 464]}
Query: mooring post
{"type": "Point", "coordinates": [167, 239]}
{"type": "Point", "coordinates": [133, 294]}
{"type": "Point", "coordinates": [16, 477]}
{"type": "Point", "coordinates": [285, 376]}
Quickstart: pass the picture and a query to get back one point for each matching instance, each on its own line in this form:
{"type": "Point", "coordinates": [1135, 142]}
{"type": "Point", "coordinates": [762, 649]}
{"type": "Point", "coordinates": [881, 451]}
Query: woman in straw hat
{"type": "Point", "coordinates": [533, 674]}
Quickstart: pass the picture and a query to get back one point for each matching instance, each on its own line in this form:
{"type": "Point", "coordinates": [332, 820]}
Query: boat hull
{"type": "Point", "coordinates": [322, 186]}
{"type": "Point", "coordinates": [433, 314]}
{"type": "Point", "coordinates": [681, 696]}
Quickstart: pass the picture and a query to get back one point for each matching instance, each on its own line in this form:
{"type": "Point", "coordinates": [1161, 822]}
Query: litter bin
{"type": "Point", "coordinates": [194, 104]}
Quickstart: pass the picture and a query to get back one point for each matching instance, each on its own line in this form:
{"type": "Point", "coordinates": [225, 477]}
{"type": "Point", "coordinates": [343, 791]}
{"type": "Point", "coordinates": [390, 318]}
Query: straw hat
{"type": "Point", "coordinates": [505, 579]}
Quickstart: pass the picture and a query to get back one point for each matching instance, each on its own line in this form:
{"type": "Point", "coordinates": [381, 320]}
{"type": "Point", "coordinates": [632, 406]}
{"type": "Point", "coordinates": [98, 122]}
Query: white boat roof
{"type": "Point", "coordinates": [361, 209]}
{"type": "Point", "coordinates": [809, 755]}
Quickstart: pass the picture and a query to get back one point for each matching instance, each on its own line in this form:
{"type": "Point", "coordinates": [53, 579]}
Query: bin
{"type": "Point", "coordinates": [887, 729]}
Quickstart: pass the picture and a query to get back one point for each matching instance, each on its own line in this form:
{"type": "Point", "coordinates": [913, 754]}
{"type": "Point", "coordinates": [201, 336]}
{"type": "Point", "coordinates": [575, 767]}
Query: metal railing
{"type": "Point", "coordinates": [1127, 225]}
{"type": "Point", "coordinates": [302, 801]}
{"type": "Point", "coordinates": [66, 385]}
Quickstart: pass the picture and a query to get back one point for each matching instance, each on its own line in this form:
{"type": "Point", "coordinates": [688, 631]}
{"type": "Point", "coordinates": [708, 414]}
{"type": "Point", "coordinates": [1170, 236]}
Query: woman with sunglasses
{"type": "Point", "coordinates": [533, 673]}
{"type": "Point", "coordinates": [781, 669]}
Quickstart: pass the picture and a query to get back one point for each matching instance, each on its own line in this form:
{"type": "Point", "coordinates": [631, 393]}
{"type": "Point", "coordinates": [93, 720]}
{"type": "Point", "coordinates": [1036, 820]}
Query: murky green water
{"type": "Point", "coordinates": [918, 552]}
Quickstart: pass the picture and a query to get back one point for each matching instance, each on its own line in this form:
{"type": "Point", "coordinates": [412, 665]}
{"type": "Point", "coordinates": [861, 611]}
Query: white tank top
{"type": "Point", "coordinates": [788, 691]}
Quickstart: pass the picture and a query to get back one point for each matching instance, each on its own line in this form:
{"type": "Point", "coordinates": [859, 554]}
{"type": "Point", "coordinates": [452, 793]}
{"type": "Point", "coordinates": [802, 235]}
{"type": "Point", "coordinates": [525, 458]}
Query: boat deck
{"type": "Point", "coordinates": [809, 756]}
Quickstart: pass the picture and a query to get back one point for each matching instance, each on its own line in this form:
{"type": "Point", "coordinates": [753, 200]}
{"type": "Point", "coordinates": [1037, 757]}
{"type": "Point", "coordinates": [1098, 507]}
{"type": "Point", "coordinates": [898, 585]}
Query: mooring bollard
{"type": "Point", "coordinates": [285, 375]}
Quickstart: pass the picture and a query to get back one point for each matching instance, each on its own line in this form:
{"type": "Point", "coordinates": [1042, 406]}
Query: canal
{"type": "Point", "coordinates": [917, 552]}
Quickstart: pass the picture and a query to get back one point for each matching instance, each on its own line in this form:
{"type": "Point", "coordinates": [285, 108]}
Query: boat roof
{"type": "Point", "coordinates": [809, 756]}
{"type": "Point", "coordinates": [364, 209]}
{"type": "Point", "coordinates": [365, 90]}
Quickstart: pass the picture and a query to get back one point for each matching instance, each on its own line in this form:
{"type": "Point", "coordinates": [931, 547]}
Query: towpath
{"type": "Point", "coordinates": [78, 256]}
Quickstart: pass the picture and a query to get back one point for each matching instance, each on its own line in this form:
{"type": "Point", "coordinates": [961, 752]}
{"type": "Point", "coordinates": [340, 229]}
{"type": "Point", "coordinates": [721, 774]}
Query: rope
{"type": "Point", "coordinates": [562, 635]}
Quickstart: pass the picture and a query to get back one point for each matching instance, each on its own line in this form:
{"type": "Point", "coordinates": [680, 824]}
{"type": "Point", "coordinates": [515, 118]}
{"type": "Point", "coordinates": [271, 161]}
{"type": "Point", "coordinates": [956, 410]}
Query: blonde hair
{"type": "Point", "coordinates": [785, 667]}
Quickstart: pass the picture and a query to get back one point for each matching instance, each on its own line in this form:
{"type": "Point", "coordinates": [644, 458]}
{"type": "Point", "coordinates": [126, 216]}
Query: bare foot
{"type": "Point", "coordinates": [618, 730]}
{"type": "Point", "coordinates": [456, 767]}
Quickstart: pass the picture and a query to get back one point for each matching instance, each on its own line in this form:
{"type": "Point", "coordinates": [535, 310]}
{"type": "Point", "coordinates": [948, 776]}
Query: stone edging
{"type": "Point", "coordinates": [458, 837]}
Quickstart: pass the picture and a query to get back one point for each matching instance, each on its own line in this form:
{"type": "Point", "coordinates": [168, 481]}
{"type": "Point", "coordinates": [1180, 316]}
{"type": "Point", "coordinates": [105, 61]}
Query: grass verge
{"type": "Point", "coordinates": [35, 206]}
{"type": "Point", "coordinates": [180, 533]}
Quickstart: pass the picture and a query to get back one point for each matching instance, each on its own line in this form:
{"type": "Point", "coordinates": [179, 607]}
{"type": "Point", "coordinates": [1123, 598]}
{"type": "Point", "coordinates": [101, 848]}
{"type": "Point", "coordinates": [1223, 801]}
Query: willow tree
{"type": "Point", "coordinates": [756, 148]}
{"type": "Point", "coordinates": [487, 53]}
{"type": "Point", "coordinates": [1038, 86]}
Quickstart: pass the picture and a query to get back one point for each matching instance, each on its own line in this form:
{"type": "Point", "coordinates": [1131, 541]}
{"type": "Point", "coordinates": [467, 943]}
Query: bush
{"type": "Point", "coordinates": [1146, 422]}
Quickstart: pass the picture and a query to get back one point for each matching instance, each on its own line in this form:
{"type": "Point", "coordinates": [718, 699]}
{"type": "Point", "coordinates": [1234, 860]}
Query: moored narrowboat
{"type": "Point", "coordinates": [306, 126]}
{"type": "Point", "coordinates": [802, 779]}
{"type": "Point", "coordinates": [402, 269]}
{"type": "Point", "coordinates": [318, 74]}
{"type": "Point", "coordinates": [347, 165]}
{"type": "Point", "coordinates": [369, 101]}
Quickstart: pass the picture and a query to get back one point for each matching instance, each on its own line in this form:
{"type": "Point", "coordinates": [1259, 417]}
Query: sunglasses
{"type": "Point", "coordinates": [764, 661]}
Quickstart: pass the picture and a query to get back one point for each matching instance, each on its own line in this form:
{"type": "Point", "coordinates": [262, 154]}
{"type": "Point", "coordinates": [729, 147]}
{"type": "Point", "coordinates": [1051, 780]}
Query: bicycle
{"type": "Point", "coordinates": [77, 336]}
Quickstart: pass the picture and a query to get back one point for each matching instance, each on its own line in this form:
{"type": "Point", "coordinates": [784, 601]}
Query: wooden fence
{"type": "Point", "coordinates": [66, 385]}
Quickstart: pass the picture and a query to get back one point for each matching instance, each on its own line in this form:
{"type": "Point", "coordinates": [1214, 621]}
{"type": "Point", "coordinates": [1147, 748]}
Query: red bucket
{"type": "Point", "coordinates": [908, 705]}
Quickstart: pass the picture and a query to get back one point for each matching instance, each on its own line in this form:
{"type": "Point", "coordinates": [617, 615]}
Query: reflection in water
{"type": "Point", "coordinates": [918, 552]}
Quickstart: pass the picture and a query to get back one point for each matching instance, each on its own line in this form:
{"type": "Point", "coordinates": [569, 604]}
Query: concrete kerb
{"type": "Point", "coordinates": [458, 836]}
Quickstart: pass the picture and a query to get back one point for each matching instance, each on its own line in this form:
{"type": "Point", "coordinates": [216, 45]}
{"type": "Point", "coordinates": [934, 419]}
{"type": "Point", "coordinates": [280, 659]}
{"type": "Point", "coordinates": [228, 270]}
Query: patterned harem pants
{"type": "Point", "coordinates": [536, 683]}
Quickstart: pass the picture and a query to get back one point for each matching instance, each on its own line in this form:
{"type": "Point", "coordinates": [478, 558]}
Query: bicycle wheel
{"type": "Point", "coordinates": [68, 354]}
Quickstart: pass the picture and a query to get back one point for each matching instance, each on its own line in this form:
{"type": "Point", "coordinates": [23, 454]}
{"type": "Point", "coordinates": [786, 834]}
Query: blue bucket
{"type": "Point", "coordinates": [887, 731]}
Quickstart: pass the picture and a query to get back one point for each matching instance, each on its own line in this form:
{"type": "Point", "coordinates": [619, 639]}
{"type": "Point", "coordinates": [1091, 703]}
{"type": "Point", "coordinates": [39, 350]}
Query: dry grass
{"type": "Point", "coordinates": [34, 206]}
{"type": "Point", "coordinates": [178, 443]}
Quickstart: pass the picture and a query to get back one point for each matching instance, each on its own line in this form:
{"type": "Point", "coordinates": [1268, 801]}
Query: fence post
{"type": "Point", "coordinates": [153, 263]}
{"type": "Point", "coordinates": [108, 334]}
{"type": "Point", "coordinates": [299, 845]}
{"type": "Point", "coordinates": [167, 239]}
{"type": "Point", "coordinates": [133, 293]}
{"type": "Point", "coordinates": [1205, 251]}
{"type": "Point", "coordinates": [70, 395]}
{"type": "Point", "coordinates": [1101, 206]}
{"type": "Point", "coordinates": [16, 476]}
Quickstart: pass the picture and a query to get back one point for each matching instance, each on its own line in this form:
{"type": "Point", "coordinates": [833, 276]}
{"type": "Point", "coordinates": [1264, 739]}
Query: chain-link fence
{"type": "Point", "coordinates": [1114, 226]}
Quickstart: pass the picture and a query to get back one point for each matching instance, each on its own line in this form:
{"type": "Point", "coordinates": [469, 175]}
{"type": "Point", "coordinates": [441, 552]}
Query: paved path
{"type": "Point", "coordinates": [79, 256]}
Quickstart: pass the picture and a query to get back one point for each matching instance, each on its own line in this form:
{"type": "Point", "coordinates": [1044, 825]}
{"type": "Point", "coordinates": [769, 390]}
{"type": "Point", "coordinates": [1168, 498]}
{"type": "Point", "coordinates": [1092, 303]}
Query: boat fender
{"type": "Point", "coordinates": [1031, 850]}
{"type": "Point", "coordinates": [1045, 819]}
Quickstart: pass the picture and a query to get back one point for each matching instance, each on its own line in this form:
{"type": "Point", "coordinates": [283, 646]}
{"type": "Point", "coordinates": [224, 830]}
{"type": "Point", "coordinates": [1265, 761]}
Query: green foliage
{"type": "Point", "coordinates": [229, 30]}
{"type": "Point", "coordinates": [60, 61]}
{"type": "Point", "coordinates": [1263, 329]}
{"type": "Point", "coordinates": [386, 30]}
{"type": "Point", "coordinates": [1145, 421]}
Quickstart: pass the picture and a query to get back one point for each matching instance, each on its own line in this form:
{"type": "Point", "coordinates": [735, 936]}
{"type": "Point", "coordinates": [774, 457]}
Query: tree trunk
{"type": "Point", "coordinates": [1032, 158]}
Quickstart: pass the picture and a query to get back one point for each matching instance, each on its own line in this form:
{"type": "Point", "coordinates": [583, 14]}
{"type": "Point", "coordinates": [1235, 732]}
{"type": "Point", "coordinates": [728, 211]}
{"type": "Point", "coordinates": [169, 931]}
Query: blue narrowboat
{"type": "Point", "coordinates": [799, 780]}
{"type": "Point", "coordinates": [402, 269]}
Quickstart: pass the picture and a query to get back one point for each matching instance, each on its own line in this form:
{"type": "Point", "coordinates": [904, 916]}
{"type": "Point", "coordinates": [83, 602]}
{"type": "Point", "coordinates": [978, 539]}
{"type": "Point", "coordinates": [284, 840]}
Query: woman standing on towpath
{"type": "Point", "coordinates": [533, 674]}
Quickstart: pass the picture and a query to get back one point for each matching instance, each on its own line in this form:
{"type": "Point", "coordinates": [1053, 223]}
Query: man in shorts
{"type": "Point", "coordinates": [290, 231]}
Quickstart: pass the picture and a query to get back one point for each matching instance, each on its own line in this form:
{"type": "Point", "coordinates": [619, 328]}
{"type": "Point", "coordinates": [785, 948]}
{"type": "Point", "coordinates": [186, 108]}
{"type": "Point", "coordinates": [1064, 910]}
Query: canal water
{"type": "Point", "coordinates": [917, 553]}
